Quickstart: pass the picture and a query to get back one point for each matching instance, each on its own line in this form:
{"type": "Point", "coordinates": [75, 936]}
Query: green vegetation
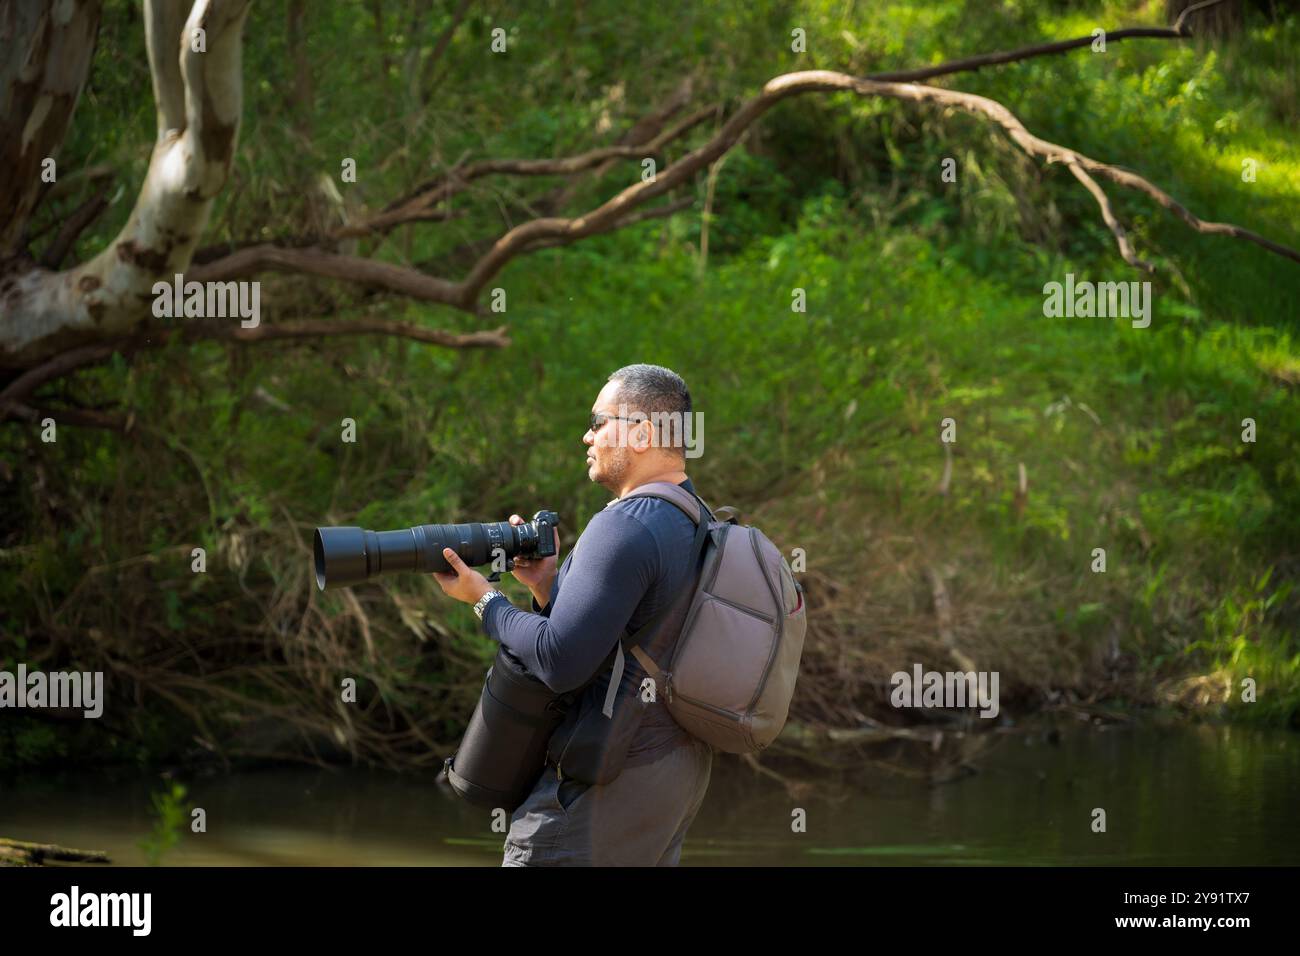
{"type": "Point", "coordinates": [171, 812]}
{"type": "Point", "coordinates": [924, 302]}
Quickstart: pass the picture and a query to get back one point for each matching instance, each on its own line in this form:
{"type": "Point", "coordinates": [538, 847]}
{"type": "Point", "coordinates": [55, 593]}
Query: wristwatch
{"type": "Point", "coordinates": [483, 601]}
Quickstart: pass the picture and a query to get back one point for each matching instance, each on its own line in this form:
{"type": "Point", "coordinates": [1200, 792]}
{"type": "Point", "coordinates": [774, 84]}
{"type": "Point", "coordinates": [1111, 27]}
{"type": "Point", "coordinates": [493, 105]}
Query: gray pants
{"type": "Point", "coordinates": [640, 819]}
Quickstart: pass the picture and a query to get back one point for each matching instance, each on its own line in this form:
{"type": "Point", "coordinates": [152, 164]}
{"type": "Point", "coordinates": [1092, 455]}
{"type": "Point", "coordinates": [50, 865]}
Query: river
{"type": "Point", "coordinates": [1173, 795]}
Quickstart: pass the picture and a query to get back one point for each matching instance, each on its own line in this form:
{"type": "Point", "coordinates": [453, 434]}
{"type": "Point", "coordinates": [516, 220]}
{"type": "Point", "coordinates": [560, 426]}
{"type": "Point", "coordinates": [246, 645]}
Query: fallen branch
{"type": "Point", "coordinates": [943, 617]}
{"type": "Point", "coordinates": [21, 853]}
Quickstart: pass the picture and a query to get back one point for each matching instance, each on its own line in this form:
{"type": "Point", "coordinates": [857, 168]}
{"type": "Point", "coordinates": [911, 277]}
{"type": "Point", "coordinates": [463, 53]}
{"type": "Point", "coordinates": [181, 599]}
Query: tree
{"type": "Point", "coordinates": [54, 321]}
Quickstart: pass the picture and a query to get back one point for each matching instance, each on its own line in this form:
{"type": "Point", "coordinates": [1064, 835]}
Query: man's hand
{"type": "Point", "coordinates": [464, 583]}
{"type": "Point", "coordinates": [537, 573]}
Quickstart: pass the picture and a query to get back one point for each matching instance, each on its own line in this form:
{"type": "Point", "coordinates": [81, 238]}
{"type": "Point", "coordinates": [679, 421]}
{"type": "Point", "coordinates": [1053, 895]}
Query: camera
{"type": "Point", "coordinates": [347, 555]}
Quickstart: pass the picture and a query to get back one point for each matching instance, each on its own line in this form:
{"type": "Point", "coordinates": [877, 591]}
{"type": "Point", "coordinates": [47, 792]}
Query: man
{"type": "Point", "coordinates": [619, 788]}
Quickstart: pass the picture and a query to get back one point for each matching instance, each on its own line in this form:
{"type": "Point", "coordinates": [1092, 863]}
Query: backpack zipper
{"type": "Point", "coordinates": [742, 609]}
{"type": "Point", "coordinates": [717, 710]}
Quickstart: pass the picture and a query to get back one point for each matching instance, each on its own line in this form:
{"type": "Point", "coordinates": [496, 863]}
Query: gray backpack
{"type": "Point", "coordinates": [730, 676]}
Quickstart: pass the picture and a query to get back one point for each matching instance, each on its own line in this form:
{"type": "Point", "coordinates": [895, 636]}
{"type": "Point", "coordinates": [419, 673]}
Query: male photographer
{"type": "Point", "coordinates": [619, 788]}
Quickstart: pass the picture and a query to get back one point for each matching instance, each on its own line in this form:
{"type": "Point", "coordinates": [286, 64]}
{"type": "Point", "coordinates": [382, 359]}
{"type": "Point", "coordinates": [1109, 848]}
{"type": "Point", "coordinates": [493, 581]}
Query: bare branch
{"type": "Point", "coordinates": [378, 225]}
{"type": "Point", "coordinates": [386, 222]}
{"type": "Point", "coordinates": [458, 178]}
{"type": "Point", "coordinates": [1136, 182]}
{"type": "Point", "coordinates": [381, 275]}
{"type": "Point", "coordinates": [300, 89]}
{"type": "Point", "coordinates": [971, 63]}
{"type": "Point", "coordinates": [313, 328]}
{"type": "Point", "coordinates": [17, 391]}
{"type": "Point", "coordinates": [655, 212]}
{"type": "Point", "coordinates": [72, 181]}
{"type": "Point", "coordinates": [26, 383]}
{"type": "Point", "coordinates": [642, 131]}
{"type": "Point", "coordinates": [1178, 24]}
{"type": "Point", "coordinates": [329, 265]}
{"type": "Point", "coordinates": [967, 64]}
{"type": "Point", "coordinates": [64, 416]}
{"type": "Point", "coordinates": [549, 231]}
{"type": "Point", "coordinates": [649, 126]}
{"type": "Point", "coordinates": [644, 138]}
{"type": "Point", "coordinates": [427, 85]}
{"type": "Point", "coordinates": [105, 294]}
{"type": "Point", "coordinates": [711, 183]}
{"type": "Point", "coordinates": [419, 205]}
{"type": "Point", "coordinates": [436, 190]}
{"type": "Point", "coordinates": [73, 227]}
{"type": "Point", "coordinates": [1108, 215]}
{"type": "Point", "coordinates": [525, 235]}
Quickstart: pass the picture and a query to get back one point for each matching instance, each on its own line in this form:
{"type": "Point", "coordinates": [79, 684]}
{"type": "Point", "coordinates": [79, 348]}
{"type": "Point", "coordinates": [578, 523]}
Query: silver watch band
{"type": "Point", "coordinates": [484, 601]}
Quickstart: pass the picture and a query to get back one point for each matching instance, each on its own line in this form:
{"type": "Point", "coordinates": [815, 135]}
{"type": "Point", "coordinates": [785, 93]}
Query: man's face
{"type": "Point", "coordinates": [608, 458]}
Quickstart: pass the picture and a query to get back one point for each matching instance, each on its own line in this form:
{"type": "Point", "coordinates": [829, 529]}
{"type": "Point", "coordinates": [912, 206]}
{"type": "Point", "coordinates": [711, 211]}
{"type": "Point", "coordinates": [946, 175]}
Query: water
{"type": "Point", "coordinates": [1173, 795]}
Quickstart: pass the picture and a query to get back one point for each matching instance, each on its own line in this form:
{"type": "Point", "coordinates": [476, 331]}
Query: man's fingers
{"type": "Point", "coordinates": [454, 560]}
{"type": "Point", "coordinates": [515, 519]}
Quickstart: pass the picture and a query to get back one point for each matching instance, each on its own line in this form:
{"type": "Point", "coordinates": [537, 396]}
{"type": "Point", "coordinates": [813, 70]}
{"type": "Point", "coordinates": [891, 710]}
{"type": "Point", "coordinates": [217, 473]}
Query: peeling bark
{"type": "Point", "coordinates": [199, 98]}
{"type": "Point", "coordinates": [48, 49]}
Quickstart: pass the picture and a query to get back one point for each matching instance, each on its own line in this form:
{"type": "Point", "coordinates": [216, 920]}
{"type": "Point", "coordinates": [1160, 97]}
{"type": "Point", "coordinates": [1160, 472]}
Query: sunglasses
{"type": "Point", "coordinates": [598, 420]}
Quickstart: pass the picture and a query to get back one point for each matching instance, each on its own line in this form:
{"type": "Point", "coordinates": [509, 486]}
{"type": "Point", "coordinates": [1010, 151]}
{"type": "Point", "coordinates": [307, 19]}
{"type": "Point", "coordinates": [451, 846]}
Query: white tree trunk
{"type": "Point", "coordinates": [47, 52]}
{"type": "Point", "coordinates": [199, 98]}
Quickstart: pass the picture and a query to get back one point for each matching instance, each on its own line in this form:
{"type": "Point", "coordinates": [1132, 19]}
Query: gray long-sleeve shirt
{"type": "Point", "coordinates": [631, 559]}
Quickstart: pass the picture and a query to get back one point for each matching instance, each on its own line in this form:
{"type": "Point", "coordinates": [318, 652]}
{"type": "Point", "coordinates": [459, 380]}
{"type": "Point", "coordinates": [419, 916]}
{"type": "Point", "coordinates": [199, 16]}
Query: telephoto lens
{"type": "Point", "coordinates": [347, 555]}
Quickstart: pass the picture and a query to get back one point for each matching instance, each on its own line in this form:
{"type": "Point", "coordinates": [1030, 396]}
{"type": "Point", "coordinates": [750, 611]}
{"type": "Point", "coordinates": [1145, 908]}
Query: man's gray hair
{"type": "Point", "coordinates": [659, 394]}
{"type": "Point", "coordinates": [652, 388]}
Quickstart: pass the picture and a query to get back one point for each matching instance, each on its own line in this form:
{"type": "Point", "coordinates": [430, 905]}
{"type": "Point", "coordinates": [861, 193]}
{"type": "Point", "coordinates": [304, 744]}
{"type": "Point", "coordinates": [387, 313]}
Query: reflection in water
{"type": "Point", "coordinates": [1173, 795]}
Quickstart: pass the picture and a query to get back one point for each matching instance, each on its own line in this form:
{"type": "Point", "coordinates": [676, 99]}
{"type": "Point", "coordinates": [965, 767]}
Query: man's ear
{"type": "Point", "coordinates": [639, 437]}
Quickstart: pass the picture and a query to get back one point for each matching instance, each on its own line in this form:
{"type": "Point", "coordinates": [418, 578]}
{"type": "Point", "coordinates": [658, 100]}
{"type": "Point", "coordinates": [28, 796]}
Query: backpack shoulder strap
{"type": "Point", "coordinates": [690, 504]}
{"type": "Point", "coordinates": [695, 509]}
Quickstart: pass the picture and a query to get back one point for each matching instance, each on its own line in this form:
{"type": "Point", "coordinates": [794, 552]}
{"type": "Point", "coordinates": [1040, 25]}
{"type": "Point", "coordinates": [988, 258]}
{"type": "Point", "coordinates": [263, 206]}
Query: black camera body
{"type": "Point", "coordinates": [348, 555]}
{"type": "Point", "coordinates": [544, 524]}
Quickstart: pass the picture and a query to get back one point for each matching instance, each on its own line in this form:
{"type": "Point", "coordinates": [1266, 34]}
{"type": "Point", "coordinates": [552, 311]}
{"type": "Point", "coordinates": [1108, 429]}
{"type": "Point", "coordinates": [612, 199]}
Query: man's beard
{"type": "Point", "coordinates": [613, 469]}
